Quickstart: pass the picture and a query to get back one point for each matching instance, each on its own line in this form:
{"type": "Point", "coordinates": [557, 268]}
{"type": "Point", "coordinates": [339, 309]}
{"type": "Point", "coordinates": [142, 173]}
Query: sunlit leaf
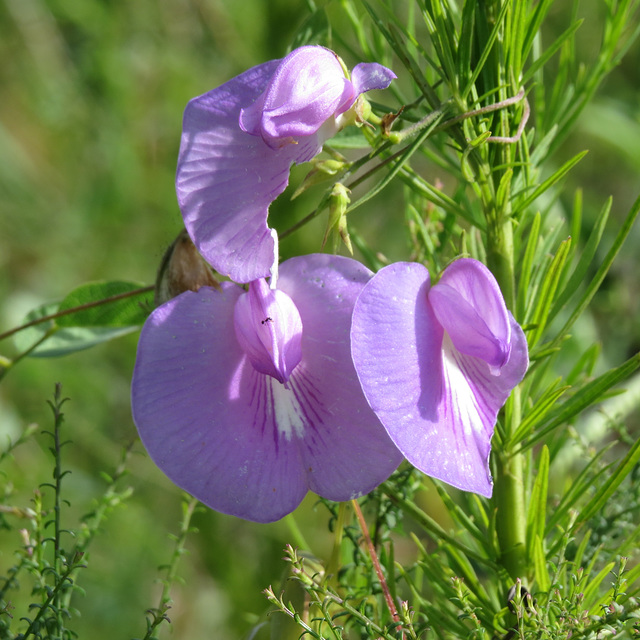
{"type": "Point", "coordinates": [122, 310]}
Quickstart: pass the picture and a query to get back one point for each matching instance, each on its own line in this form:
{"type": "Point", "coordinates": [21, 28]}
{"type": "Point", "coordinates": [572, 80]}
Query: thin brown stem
{"type": "Point", "coordinates": [496, 106]}
{"type": "Point", "coordinates": [82, 307]}
{"type": "Point", "coordinates": [376, 563]}
{"type": "Point", "coordinates": [513, 139]}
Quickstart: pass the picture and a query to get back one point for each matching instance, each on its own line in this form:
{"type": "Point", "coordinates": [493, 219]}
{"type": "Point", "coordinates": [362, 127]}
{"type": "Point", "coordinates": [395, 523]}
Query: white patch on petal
{"type": "Point", "coordinates": [462, 403]}
{"type": "Point", "coordinates": [286, 411]}
{"type": "Point", "coordinates": [273, 271]}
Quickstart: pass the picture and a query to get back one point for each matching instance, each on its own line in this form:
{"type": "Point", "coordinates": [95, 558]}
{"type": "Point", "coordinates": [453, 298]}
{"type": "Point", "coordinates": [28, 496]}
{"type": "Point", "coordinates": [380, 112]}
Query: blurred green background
{"type": "Point", "coordinates": [91, 100]}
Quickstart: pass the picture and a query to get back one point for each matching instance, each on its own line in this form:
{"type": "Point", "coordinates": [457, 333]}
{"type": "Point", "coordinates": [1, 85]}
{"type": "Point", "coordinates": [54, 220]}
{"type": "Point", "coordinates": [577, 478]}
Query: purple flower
{"type": "Point", "coordinates": [240, 140]}
{"type": "Point", "coordinates": [248, 399]}
{"type": "Point", "coordinates": [437, 363]}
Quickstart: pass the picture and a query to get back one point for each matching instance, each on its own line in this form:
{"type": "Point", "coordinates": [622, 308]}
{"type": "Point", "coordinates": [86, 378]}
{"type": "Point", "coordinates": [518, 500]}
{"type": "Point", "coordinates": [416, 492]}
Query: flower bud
{"type": "Point", "coordinates": [323, 170]}
{"type": "Point", "coordinates": [337, 225]}
{"type": "Point", "coordinates": [182, 269]}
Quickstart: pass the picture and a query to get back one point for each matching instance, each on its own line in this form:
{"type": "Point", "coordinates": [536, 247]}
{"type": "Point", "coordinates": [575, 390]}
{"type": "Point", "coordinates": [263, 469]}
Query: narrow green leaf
{"type": "Point", "coordinates": [488, 45]}
{"type": "Point", "coordinates": [400, 162]}
{"type": "Point", "coordinates": [536, 513]}
{"type": "Point", "coordinates": [423, 234]}
{"type": "Point", "coordinates": [542, 259]}
{"type": "Point", "coordinates": [120, 312]}
{"type": "Point", "coordinates": [550, 181]}
{"type": "Point", "coordinates": [394, 36]}
{"type": "Point", "coordinates": [546, 296]}
{"type": "Point", "coordinates": [577, 560]}
{"type": "Point", "coordinates": [442, 34]}
{"type": "Point", "coordinates": [504, 189]}
{"type": "Point", "coordinates": [527, 267]}
{"type": "Point", "coordinates": [539, 411]}
{"type": "Point", "coordinates": [575, 229]}
{"type": "Point", "coordinates": [586, 260]}
{"type": "Point", "coordinates": [465, 42]}
{"type": "Point", "coordinates": [464, 569]}
{"type": "Point", "coordinates": [604, 493]}
{"type": "Point", "coordinates": [602, 271]}
{"type": "Point", "coordinates": [421, 187]}
{"type": "Point", "coordinates": [514, 38]}
{"type": "Point", "coordinates": [550, 51]}
{"type": "Point", "coordinates": [540, 570]}
{"type": "Point", "coordinates": [595, 555]}
{"type": "Point", "coordinates": [477, 509]}
{"type": "Point", "coordinates": [591, 591]}
{"type": "Point", "coordinates": [541, 150]}
{"type": "Point", "coordinates": [585, 364]}
{"type": "Point", "coordinates": [533, 27]}
{"type": "Point", "coordinates": [459, 514]}
{"type": "Point", "coordinates": [585, 397]}
{"type": "Point", "coordinates": [578, 489]}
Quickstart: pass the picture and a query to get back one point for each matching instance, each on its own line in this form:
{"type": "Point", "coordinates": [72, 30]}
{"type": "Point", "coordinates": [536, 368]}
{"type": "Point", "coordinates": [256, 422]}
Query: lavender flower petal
{"type": "Point", "coordinates": [349, 452]}
{"type": "Point", "coordinates": [368, 76]}
{"type": "Point", "coordinates": [239, 440]}
{"type": "Point", "coordinates": [469, 305]}
{"type": "Point", "coordinates": [239, 142]}
{"type": "Point", "coordinates": [204, 414]}
{"type": "Point", "coordinates": [227, 178]}
{"type": "Point", "coordinates": [308, 87]}
{"type": "Point", "coordinates": [269, 330]}
{"type": "Point", "coordinates": [438, 405]}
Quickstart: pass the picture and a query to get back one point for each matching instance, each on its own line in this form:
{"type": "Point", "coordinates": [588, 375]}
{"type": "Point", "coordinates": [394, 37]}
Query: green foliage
{"type": "Point", "coordinates": [481, 140]}
{"type": "Point", "coordinates": [91, 314]}
{"type": "Point", "coordinates": [52, 555]}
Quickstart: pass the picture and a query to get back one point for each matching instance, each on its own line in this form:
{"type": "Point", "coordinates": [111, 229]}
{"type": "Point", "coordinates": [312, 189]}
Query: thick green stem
{"type": "Point", "coordinates": [511, 516]}
{"type": "Point", "coordinates": [500, 256]}
{"type": "Point", "coordinates": [509, 484]}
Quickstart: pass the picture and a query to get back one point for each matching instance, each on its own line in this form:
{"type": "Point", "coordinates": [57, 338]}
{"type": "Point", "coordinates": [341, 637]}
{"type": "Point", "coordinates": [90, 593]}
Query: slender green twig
{"type": "Point", "coordinates": [159, 613]}
{"type": "Point", "coordinates": [430, 525]}
{"type": "Point", "coordinates": [64, 581]}
{"type": "Point", "coordinates": [7, 366]}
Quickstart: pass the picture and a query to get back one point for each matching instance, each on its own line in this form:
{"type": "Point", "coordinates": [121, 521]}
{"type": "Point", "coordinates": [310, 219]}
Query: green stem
{"type": "Point", "coordinates": [6, 364]}
{"type": "Point", "coordinates": [511, 516]}
{"type": "Point", "coordinates": [500, 255]}
{"type": "Point", "coordinates": [188, 508]}
{"type": "Point", "coordinates": [295, 532]}
{"type": "Point", "coordinates": [59, 560]}
{"type": "Point", "coordinates": [509, 483]}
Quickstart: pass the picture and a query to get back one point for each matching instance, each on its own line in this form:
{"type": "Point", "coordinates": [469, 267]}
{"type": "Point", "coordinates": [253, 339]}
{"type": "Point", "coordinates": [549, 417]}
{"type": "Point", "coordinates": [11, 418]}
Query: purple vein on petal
{"type": "Point", "coordinates": [306, 395]}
